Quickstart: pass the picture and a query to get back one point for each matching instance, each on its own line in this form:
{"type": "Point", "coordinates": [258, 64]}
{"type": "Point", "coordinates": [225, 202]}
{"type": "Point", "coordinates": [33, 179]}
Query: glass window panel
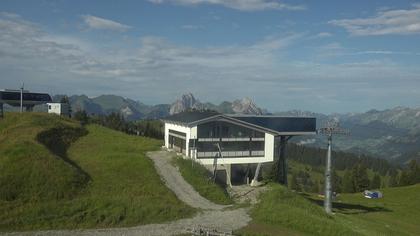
{"type": "Point", "coordinates": [217, 129]}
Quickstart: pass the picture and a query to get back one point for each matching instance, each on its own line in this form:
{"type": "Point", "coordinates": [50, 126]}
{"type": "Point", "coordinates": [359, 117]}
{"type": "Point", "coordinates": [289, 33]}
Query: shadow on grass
{"type": "Point", "coordinates": [59, 139]}
{"type": "Point", "coordinates": [348, 208]}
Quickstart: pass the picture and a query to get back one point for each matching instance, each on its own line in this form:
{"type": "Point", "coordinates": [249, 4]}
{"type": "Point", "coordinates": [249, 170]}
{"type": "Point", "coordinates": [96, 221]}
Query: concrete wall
{"type": "Point", "coordinates": [58, 108]}
{"type": "Point", "coordinates": [179, 128]}
{"type": "Point", "coordinates": [269, 147]}
{"type": "Point", "coordinates": [54, 108]}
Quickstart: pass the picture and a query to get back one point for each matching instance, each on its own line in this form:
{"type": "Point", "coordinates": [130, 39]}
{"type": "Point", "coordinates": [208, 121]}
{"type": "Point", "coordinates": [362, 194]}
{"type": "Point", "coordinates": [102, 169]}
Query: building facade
{"type": "Point", "coordinates": [62, 109]}
{"type": "Point", "coordinates": [213, 138]}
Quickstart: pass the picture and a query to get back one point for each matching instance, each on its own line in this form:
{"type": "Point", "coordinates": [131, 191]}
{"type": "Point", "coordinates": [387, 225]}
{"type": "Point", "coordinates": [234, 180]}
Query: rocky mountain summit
{"type": "Point", "coordinates": [240, 106]}
{"type": "Point", "coordinates": [246, 106]}
{"type": "Point", "coordinates": [185, 102]}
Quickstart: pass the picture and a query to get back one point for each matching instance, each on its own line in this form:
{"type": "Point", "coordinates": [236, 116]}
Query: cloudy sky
{"type": "Point", "coordinates": [322, 56]}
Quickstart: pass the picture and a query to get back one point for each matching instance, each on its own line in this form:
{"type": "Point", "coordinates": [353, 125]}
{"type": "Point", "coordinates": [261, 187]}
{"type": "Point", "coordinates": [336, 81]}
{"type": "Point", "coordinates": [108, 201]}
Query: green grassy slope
{"type": "Point", "coordinates": [199, 177]}
{"type": "Point", "coordinates": [100, 178]}
{"type": "Point", "coordinates": [28, 170]}
{"type": "Point", "coordinates": [282, 212]}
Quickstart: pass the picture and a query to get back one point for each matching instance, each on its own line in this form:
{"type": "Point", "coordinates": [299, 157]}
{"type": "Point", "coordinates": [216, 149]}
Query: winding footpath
{"type": "Point", "coordinates": [212, 215]}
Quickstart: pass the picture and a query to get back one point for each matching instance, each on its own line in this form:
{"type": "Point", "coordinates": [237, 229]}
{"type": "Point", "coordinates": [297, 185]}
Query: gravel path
{"type": "Point", "coordinates": [220, 220]}
{"type": "Point", "coordinates": [213, 216]}
{"type": "Point", "coordinates": [174, 181]}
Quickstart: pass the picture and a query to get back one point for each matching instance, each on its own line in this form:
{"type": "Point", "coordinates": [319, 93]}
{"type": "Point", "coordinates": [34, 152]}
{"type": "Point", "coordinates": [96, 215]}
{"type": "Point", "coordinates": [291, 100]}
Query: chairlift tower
{"type": "Point", "coordinates": [331, 127]}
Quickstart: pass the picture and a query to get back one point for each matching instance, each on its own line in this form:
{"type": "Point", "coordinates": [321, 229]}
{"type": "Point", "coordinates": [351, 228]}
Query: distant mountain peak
{"type": "Point", "coordinates": [241, 106]}
{"type": "Point", "coordinates": [246, 106]}
{"type": "Point", "coordinates": [187, 101]}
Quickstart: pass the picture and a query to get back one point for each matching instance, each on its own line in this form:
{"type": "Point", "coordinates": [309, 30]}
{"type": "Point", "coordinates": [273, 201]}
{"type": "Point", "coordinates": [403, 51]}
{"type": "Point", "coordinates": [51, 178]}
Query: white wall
{"type": "Point", "coordinates": [58, 108]}
{"type": "Point", "coordinates": [192, 134]}
{"type": "Point", "coordinates": [179, 128]}
{"type": "Point", "coordinates": [269, 147]}
{"type": "Point", "coordinates": [54, 108]}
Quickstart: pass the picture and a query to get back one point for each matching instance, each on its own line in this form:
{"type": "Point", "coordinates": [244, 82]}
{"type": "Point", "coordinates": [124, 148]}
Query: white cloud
{"type": "Point", "coordinates": [192, 27]}
{"type": "Point", "coordinates": [323, 35]}
{"type": "Point", "coordinates": [242, 5]}
{"type": "Point", "coordinates": [95, 22]}
{"type": "Point", "coordinates": [385, 22]}
{"type": "Point", "coordinates": [156, 70]}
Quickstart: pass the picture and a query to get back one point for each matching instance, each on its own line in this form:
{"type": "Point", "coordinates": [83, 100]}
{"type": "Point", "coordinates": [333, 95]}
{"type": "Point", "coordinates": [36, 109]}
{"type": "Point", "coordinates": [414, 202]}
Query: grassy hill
{"type": "Point", "coordinates": [282, 211]}
{"type": "Point", "coordinates": [56, 174]}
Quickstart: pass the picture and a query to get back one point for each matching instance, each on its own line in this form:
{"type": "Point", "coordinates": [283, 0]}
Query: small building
{"type": "Point", "coordinates": [23, 98]}
{"type": "Point", "coordinates": [62, 109]}
{"type": "Point", "coordinates": [220, 140]}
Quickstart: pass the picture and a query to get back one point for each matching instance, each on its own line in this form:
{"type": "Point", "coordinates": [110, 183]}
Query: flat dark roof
{"type": "Point", "coordinates": [281, 124]}
{"type": "Point", "coordinates": [13, 97]}
{"type": "Point", "coordinates": [187, 117]}
{"type": "Point", "coordinates": [271, 124]}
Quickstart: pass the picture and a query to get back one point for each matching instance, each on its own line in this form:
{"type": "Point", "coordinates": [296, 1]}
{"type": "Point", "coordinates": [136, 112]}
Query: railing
{"type": "Point", "coordinates": [229, 139]}
{"type": "Point", "coordinates": [231, 154]}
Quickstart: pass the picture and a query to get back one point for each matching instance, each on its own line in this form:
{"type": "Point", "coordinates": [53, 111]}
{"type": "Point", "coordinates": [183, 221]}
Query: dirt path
{"type": "Point", "coordinates": [213, 216]}
{"type": "Point", "coordinates": [174, 181]}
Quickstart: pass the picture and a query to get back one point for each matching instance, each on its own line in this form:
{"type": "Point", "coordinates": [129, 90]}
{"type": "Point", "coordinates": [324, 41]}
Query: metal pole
{"type": "Point", "coordinates": [328, 187]}
{"type": "Point", "coordinates": [282, 163]}
{"type": "Point", "coordinates": [21, 99]}
{"type": "Point", "coordinates": [254, 182]}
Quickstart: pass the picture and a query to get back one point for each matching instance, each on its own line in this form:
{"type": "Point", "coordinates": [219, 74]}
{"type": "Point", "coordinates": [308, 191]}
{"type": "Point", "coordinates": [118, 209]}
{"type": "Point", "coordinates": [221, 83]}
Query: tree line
{"type": "Point", "coordinates": [341, 160]}
{"type": "Point", "coordinates": [116, 121]}
{"type": "Point", "coordinates": [357, 173]}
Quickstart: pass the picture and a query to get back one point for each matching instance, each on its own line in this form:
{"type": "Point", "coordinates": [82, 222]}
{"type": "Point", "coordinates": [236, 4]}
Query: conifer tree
{"type": "Point", "coordinates": [360, 178]}
{"type": "Point", "coordinates": [393, 180]}
{"type": "Point", "coordinates": [376, 182]}
{"type": "Point", "coordinates": [348, 186]}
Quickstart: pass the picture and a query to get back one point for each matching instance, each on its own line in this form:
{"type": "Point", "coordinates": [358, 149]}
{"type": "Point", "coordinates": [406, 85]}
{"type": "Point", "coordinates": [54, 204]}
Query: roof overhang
{"type": "Point", "coordinates": [12, 98]}
{"type": "Point", "coordinates": [232, 120]}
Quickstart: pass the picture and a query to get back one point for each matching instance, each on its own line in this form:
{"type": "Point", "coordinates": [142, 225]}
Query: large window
{"type": "Point", "coordinates": [234, 140]}
{"type": "Point", "coordinates": [231, 149]}
{"type": "Point", "coordinates": [218, 129]}
{"type": "Point", "coordinates": [177, 144]}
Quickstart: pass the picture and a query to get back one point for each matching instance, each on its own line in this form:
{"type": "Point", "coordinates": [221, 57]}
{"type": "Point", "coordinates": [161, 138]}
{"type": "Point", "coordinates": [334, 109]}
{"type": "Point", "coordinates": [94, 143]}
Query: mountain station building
{"type": "Point", "coordinates": [234, 142]}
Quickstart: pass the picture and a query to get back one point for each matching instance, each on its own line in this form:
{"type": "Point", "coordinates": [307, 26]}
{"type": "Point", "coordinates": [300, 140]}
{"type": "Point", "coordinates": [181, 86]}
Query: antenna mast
{"type": "Point", "coordinates": [330, 128]}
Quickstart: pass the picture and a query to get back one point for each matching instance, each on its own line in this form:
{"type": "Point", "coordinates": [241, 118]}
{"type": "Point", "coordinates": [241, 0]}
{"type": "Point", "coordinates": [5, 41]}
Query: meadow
{"type": "Point", "coordinates": [57, 174]}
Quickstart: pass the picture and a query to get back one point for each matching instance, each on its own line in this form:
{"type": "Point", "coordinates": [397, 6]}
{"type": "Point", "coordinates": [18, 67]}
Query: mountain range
{"type": "Point", "coordinates": [393, 134]}
{"type": "Point", "coordinates": [134, 110]}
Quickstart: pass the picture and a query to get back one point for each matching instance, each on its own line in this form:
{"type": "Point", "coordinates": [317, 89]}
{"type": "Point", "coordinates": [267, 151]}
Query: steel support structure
{"type": "Point", "coordinates": [281, 167]}
{"type": "Point", "coordinates": [331, 127]}
{"type": "Point", "coordinates": [328, 187]}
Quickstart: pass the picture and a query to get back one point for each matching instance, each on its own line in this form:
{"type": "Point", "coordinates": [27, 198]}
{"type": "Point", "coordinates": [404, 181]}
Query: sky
{"type": "Point", "coordinates": [320, 56]}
